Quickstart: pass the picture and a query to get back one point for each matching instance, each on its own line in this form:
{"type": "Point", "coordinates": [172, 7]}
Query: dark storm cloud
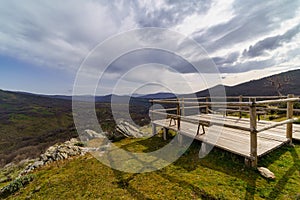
{"type": "Point", "coordinates": [247, 66]}
{"type": "Point", "coordinates": [144, 56]}
{"type": "Point", "coordinates": [252, 19]}
{"type": "Point", "coordinates": [231, 58]}
{"type": "Point", "coordinates": [271, 43]}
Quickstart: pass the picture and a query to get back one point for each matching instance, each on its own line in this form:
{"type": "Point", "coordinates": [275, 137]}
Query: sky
{"type": "Point", "coordinates": [44, 45]}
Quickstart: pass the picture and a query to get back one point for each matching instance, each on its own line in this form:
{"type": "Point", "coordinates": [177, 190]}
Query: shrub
{"type": "Point", "coordinates": [79, 144]}
{"type": "Point", "coordinates": [272, 117]}
{"type": "Point", "coordinates": [15, 185]}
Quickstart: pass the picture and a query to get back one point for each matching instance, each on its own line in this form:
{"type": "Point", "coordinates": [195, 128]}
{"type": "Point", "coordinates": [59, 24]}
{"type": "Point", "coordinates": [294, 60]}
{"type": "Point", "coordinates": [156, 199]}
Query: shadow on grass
{"type": "Point", "coordinates": [217, 160]}
{"type": "Point", "coordinates": [288, 174]}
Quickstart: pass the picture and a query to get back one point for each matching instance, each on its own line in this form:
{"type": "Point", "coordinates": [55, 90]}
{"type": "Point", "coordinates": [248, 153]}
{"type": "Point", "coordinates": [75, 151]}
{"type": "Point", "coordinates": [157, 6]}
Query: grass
{"type": "Point", "coordinates": [220, 175]}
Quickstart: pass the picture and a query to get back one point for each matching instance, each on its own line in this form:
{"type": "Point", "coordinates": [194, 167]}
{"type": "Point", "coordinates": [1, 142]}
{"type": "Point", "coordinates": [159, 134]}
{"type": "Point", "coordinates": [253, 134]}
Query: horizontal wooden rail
{"type": "Point", "coordinates": [243, 111]}
{"type": "Point", "coordinates": [276, 101]}
{"type": "Point", "coordinates": [278, 124]}
{"type": "Point", "coordinates": [192, 107]}
{"type": "Point", "coordinates": [167, 109]}
{"type": "Point", "coordinates": [190, 98]}
{"type": "Point", "coordinates": [163, 101]}
{"type": "Point", "coordinates": [210, 122]}
{"type": "Point", "coordinates": [220, 103]}
{"type": "Point", "coordinates": [281, 109]}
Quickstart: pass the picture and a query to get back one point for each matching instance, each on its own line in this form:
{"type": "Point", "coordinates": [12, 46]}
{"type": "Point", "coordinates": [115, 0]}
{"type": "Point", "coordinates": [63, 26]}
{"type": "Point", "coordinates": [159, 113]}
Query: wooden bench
{"type": "Point", "coordinates": [172, 118]}
{"type": "Point", "coordinates": [203, 124]}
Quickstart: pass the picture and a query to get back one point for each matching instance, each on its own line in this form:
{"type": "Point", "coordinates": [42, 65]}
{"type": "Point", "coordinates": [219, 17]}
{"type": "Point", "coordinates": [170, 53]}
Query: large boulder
{"type": "Point", "coordinates": [91, 134]}
{"type": "Point", "coordinates": [129, 130]}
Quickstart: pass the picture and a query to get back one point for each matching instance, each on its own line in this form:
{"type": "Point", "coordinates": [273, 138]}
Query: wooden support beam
{"type": "Point", "coordinates": [182, 107]}
{"type": "Point", "coordinates": [180, 138]}
{"type": "Point", "coordinates": [152, 109]}
{"type": "Point", "coordinates": [289, 115]}
{"type": "Point", "coordinates": [178, 116]}
{"type": "Point", "coordinates": [240, 108]}
{"type": "Point", "coordinates": [253, 134]}
{"type": "Point", "coordinates": [207, 106]}
{"type": "Point", "coordinates": [153, 129]}
{"type": "Point", "coordinates": [165, 133]}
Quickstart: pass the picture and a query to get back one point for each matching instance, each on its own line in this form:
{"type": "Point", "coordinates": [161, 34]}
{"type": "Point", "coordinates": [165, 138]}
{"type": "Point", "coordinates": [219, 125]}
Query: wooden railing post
{"type": "Point", "coordinates": [178, 123]}
{"type": "Point", "coordinates": [178, 115]}
{"type": "Point", "coordinates": [152, 108]}
{"type": "Point", "coordinates": [289, 115]}
{"type": "Point", "coordinates": [182, 107]}
{"type": "Point", "coordinates": [240, 108]}
{"type": "Point", "coordinates": [165, 132]}
{"type": "Point", "coordinates": [207, 107]}
{"type": "Point", "coordinates": [152, 118]}
{"type": "Point", "coordinates": [253, 134]}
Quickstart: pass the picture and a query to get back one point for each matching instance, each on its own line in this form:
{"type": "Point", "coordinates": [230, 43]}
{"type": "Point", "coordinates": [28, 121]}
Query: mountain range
{"type": "Point", "coordinates": [275, 85]}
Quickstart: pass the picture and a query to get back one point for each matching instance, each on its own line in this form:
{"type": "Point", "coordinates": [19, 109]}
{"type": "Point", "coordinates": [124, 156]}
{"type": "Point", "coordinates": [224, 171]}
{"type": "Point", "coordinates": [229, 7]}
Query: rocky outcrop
{"type": "Point", "coordinates": [90, 134]}
{"type": "Point", "coordinates": [73, 147]}
{"type": "Point", "coordinates": [56, 152]}
{"type": "Point", "coordinates": [129, 130]}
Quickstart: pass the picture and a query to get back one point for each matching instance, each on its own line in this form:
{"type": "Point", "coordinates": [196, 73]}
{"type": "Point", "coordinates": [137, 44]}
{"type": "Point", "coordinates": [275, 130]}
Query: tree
{"type": "Point", "coordinates": [278, 83]}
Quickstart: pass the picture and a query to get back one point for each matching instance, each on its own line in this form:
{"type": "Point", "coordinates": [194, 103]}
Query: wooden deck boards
{"type": "Point", "coordinates": [233, 140]}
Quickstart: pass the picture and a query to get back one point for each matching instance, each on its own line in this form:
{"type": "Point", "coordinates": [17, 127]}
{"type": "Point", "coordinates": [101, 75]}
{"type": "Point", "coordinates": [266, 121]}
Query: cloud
{"type": "Point", "coordinates": [252, 22]}
{"type": "Point", "coordinates": [157, 13]}
{"type": "Point", "coordinates": [229, 59]}
{"type": "Point", "coordinates": [271, 43]}
{"type": "Point", "coordinates": [240, 36]}
{"type": "Point", "coordinates": [58, 37]}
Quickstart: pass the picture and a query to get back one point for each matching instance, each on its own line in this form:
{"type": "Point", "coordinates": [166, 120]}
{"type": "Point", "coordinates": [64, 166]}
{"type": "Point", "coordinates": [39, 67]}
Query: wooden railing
{"type": "Point", "coordinates": [243, 104]}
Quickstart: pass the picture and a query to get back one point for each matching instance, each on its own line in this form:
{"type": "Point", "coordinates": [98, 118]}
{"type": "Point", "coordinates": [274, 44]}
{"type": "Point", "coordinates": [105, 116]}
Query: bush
{"type": "Point", "coordinates": [79, 144]}
{"type": "Point", "coordinates": [272, 117]}
{"type": "Point", "coordinates": [15, 185]}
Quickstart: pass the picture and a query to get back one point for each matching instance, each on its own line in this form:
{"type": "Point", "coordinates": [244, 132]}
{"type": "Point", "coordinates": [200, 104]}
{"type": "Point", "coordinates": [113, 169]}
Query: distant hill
{"type": "Point", "coordinates": [29, 123]}
{"type": "Point", "coordinates": [162, 95]}
{"type": "Point", "coordinates": [283, 83]}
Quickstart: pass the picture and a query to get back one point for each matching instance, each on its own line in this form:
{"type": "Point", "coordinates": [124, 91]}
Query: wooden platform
{"type": "Point", "coordinates": [230, 139]}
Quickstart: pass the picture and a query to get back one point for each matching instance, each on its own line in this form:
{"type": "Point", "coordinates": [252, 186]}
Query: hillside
{"type": "Point", "coordinates": [284, 83]}
{"type": "Point", "coordinates": [220, 175]}
{"type": "Point", "coordinates": [31, 123]}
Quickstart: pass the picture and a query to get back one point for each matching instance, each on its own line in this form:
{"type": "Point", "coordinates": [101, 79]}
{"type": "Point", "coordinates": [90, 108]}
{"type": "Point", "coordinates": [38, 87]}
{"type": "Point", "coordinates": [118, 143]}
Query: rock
{"type": "Point", "coordinates": [265, 172]}
{"type": "Point", "coordinates": [37, 164]}
{"type": "Point", "coordinates": [74, 140]}
{"type": "Point", "coordinates": [129, 130]}
{"type": "Point", "coordinates": [61, 152]}
{"type": "Point", "coordinates": [90, 134]}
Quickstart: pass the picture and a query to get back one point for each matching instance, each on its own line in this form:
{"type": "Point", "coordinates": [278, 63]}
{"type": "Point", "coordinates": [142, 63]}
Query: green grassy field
{"type": "Point", "coordinates": [220, 175]}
